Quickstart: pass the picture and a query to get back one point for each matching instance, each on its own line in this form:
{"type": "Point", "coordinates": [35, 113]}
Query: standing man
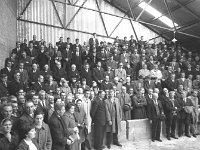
{"type": "Point", "coordinates": [184, 118]}
{"type": "Point", "coordinates": [93, 42]}
{"type": "Point", "coordinates": [60, 134]}
{"type": "Point", "coordinates": [125, 103]}
{"type": "Point", "coordinates": [155, 111]}
{"type": "Point", "coordinates": [113, 118]}
{"type": "Point", "coordinates": [171, 107]}
{"type": "Point", "coordinates": [98, 114]}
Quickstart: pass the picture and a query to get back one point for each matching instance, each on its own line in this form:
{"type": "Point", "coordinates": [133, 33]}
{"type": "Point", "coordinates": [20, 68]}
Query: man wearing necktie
{"type": "Point", "coordinates": [155, 112]}
{"type": "Point", "coordinates": [171, 107]}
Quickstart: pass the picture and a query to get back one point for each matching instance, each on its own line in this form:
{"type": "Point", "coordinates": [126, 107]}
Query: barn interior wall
{"type": "Point", "coordinates": [41, 19]}
{"type": "Point", "coordinates": [8, 28]}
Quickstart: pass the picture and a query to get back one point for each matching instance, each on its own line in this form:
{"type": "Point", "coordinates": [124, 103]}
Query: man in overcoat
{"type": "Point", "coordinates": [113, 119]}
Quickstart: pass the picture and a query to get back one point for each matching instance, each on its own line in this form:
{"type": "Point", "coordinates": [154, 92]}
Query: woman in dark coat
{"type": "Point", "coordinates": [139, 103]}
{"type": "Point", "coordinates": [8, 139]}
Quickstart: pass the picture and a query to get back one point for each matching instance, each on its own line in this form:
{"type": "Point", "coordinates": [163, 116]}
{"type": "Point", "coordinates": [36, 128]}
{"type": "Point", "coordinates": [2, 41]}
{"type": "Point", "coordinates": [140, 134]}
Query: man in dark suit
{"type": "Point", "coordinates": [61, 44]}
{"type": "Point", "coordinates": [8, 70]}
{"type": "Point", "coordinates": [66, 57]}
{"type": "Point", "coordinates": [86, 55]}
{"type": "Point", "coordinates": [98, 115]}
{"type": "Point", "coordinates": [35, 42]}
{"type": "Point", "coordinates": [27, 118]}
{"type": "Point", "coordinates": [59, 73]}
{"type": "Point", "coordinates": [60, 134]}
{"type": "Point", "coordinates": [15, 85]}
{"type": "Point", "coordinates": [39, 85]}
{"type": "Point", "coordinates": [76, 58]}
{"type": "Point", "coordinates": [184, 116]}
{"type": "Point", "coordinates": [17, 50]}
{"type": "Point", "coordinates": [171, 108]}
{"type": "Point", "coordinates": [86, 73]}
{"type": "Point", "coordinates": [77, 45]}
{"type": "Point", "coordinates": [98, 74]}
{"type": "Point", "coordinates": [155, 112]}
{"type": "Point", "coordinates": [93, 42]}
{"type": "Point", "coordinates": [3, 85]}
{"type": "Point", "coordinates": [32, 52]}
{"type": "Point", "coordinates": [73, 74]}
{"type": "Point", "coordinates": [171, 83]}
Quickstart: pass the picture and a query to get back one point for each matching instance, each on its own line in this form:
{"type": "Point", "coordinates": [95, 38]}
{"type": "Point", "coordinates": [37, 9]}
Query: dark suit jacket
{"type": "Point", "coordinates": [32, 53]}
{"type": "Point", "coordinates": [3, 90]}
{"type": "Point", "coordinates": [14, 87]}
{"type": "Point", "coordinates": [58, 132]}
{"type": "Point", "coordinates": [169, 108]}
{"type": "Point", "coordinates": [8, 73]}
{"type": "Point", "coordinates": [73, 74]}
{"type": "Point", "coordinates": [182, 114]}
{"type": "Point", "coordinates": [77, 60]}
{"type": "Point", "coordinates": [152, 114]}
{"type": "Point", "coordinates": [98, 74]}
{"type": "Point", "coordinates": [59, 73]}
{"type": "Point", "coordinates": [24, 121]}
{"type": "Point", "coordinates": [171, 85]}
{"type": "Point", "coordinates": [98, 112]}
{"type": "Point", "coordinates": [87, 76]}
{"type": "Point", "coordinates": [37, 87]}
{"type": "Point", "coordinates": [66, 54]}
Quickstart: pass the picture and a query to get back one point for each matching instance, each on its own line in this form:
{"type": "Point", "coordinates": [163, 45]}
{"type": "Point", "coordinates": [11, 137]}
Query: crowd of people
{"type": "Point", "coordinates": [52, 97]}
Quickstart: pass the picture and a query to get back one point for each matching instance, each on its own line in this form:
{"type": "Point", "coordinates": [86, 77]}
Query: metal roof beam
{"type": "Point", "coordinates": [172, 10]}
{"type": "Point", "coordinates": [188, 10]}
{"type": "Point", "coordinates": [101, 17]}
{"type": "Point", "coordinates": [143, 10]}
{"type": "Point", "coordinates": [54, 6]}
{"type": "Point", "coordinates": [134, 30]}
{"type": "Point", "coordinates": [129, 5]}
{"type": "Point", "coordinates": [75, 14]}
{"type": "Point", "coordinates": [169, 11]}
{"type": "Point", "coordinates": [117, 25]}
{"type": "Point", "coordinates": [24, 9]}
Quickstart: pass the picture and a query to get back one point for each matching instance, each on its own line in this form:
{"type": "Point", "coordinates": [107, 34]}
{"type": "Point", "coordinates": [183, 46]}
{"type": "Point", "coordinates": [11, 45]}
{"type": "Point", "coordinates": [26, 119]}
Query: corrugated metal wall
{"type": "Point", "coordinates": [42, 21]}
{"type": "Point", "coordinates": [8, 29]}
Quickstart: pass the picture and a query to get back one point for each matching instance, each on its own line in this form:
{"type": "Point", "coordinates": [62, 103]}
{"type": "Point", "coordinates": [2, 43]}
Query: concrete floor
{"type": "Point", "coordinates": [182, 143]}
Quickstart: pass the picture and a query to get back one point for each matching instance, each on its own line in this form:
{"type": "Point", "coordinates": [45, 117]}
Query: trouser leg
{"type": "Point", "coordinates": [158, 129]}
{"type": "Point", "coordinates": [173, 125]}
{"type": "Point", "coordinates": [109, 137]}
{"type": "Point", "coordinates": [99, 135]}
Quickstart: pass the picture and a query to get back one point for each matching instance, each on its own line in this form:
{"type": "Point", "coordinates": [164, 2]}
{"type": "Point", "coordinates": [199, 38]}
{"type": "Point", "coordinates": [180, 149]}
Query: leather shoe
{"type": "Point", "coordinates": [188, 135]}
{"type": "Point", "coordinates": [159, 140]}
{"type": "Point", "coordinates": [194, 135]}
{"type": "Point", "coordinates": [108, 146]}
{"type": "Point", "coordinates": [168, 138]}
{"type": "Point", "coordinates": [118, 144]}
{"type": "Point", "coordinates": [174, 137]}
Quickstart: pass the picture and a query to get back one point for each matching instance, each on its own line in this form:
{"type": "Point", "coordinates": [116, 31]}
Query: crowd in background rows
{"type": "Point", "coordinates": [51, 95]}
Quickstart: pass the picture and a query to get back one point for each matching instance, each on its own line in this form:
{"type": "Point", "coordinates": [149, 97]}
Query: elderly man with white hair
{"type": "Point", "coordinates": [155, 113]}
